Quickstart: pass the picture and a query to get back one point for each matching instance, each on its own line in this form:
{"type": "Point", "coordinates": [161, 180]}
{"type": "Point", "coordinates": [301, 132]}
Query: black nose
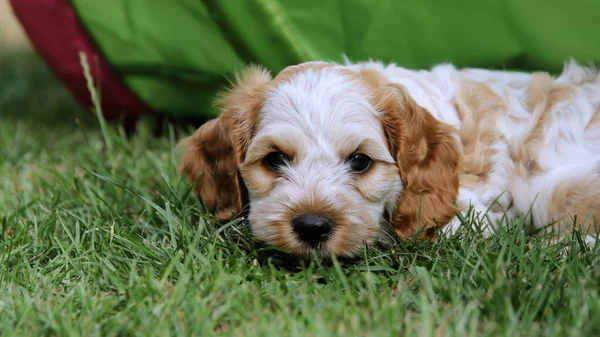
{"type": "Point", "coordinates": [312, 228]}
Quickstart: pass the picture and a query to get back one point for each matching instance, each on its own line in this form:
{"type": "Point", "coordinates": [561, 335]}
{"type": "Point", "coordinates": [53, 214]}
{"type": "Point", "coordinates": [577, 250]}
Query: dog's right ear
{"type": "Point", "coordinates": [213, 153]}
{"type": "Point", "coordinates": [426, 154]}
{"type": "Point", "coordinates": [208, 161]}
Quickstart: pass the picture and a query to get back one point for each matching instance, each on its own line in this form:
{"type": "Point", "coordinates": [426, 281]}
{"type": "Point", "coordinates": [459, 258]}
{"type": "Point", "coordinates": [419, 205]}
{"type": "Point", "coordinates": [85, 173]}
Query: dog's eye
{"type": "Point", "coordinates": [359, 162]}
{"type": "Point", "coordinates": [275, 160]}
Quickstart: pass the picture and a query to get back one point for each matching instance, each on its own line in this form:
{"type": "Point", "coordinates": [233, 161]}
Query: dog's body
{"type": "Point", "coordinates": [530, 144]}
{"type": "Point", "coordinates": [327, 154]}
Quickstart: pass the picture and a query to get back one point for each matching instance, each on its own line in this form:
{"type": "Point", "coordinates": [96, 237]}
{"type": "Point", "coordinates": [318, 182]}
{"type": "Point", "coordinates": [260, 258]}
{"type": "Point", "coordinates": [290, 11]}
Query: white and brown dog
{"type": "Point", "coordinates": [326, 156]}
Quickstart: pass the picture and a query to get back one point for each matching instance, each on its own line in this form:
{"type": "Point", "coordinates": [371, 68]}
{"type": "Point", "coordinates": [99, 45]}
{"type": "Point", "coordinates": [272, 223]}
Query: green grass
{"type": "Point", "coordinates": [106, 243]}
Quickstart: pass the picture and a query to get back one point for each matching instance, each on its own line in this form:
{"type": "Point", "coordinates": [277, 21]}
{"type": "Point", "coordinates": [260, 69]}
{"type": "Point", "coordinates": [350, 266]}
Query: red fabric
{"type": "Point", "coordinates": [59, 37]}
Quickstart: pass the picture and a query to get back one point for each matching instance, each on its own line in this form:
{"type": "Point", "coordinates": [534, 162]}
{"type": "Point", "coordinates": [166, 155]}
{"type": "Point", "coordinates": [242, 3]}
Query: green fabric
{"type": "Point", "coordinates": [177, 54]}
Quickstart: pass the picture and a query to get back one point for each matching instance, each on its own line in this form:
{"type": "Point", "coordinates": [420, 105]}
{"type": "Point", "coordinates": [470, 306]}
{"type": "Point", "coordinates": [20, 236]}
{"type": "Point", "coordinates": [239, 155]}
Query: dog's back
{"type": "Point", "coordinates": [530, 142]}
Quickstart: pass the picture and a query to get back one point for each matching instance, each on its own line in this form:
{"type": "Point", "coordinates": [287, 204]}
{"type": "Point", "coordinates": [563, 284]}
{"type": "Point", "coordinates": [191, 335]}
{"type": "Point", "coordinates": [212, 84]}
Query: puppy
{"type": "Point", "coordinates": [327, 157]}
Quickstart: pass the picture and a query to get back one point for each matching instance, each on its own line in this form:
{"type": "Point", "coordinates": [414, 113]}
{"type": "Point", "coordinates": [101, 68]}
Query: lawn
{"type": "Point", "coordinates": [101, 237]}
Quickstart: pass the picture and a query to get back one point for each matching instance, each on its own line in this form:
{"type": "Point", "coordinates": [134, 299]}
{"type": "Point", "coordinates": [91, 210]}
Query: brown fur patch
{"type": "Point", "coordinates": [313, 203]}
{"type": "Point", "coordinates": [425, 152]}
{"type": "Point", "coordinates": [379, 171]}
{"type": "Point", "coordinates": [542, 97]}
{"type": "Point", "coordinates": [478, 107]}
{"type": "Point", "coordinates": [214, 152]}
{"type": "Point", "coordinates": [265, 145]}
{"type": "Point", "coordinates": [575, 198]}
{"type": "Point", "coordinates": [258, 178]}
{"type": "Point", "coordinates": [242, 106]}
{"type": "Point", "coordinates": [288, 73]}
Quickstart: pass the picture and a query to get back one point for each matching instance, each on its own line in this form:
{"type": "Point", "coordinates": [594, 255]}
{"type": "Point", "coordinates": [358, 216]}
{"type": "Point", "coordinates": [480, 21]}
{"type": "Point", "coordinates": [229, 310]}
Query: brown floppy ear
{"type": "Point", "coordinates": [427, 156]}
{"type": "Point", "coordinates": [213, 153]}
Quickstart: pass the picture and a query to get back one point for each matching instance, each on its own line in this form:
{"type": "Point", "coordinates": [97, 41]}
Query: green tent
{"type": "Point", "coordinates": [175, 55]}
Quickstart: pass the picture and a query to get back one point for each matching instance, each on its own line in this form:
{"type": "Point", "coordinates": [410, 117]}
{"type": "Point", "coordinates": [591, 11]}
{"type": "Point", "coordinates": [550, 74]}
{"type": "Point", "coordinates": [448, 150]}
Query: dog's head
{"type": "Point", "coordinates": [326, 158]}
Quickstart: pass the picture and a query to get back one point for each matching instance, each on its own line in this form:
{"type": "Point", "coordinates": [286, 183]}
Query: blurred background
{"type": "Point", "coordinates": [168, 59]}
{"type": "Point", "coordinates": [29, 93]}
{"type": "Point", "coordinates": [12, 36]}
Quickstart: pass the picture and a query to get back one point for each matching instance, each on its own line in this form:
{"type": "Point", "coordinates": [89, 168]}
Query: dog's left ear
{"type": "Point", "coordinates": [214, 152]}
{"type": "Point", "coordinates": [427, 157]}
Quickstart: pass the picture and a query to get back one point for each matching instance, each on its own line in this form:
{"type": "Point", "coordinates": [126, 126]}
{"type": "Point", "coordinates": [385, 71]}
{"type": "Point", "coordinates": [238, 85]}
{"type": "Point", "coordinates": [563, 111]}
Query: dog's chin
{"type": "Point", "coordinates": [327, 250]}
{"type": "Point", "coordinates": [344, 244]}
{"type": "Point", "coordinates": [307, 253]}
{"type": "Point", "coordinates": [300, 259]}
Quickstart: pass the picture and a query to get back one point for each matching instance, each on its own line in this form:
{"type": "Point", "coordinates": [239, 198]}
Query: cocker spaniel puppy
{"type": "Point", "coordinates": [326, 157]}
